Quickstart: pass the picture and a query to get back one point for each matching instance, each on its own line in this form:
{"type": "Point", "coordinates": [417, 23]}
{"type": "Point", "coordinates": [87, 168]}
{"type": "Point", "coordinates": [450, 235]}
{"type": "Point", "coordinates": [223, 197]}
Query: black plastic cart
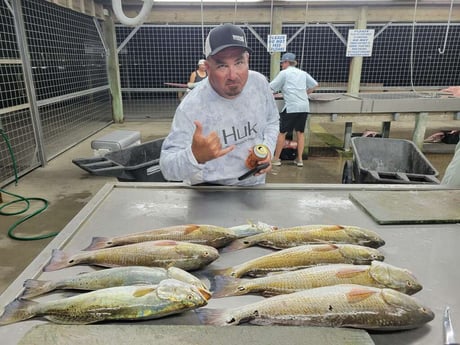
{"type": "Point", "coordinates": [384, 160]}
{"type": "Point", "coordinates": [138, 163]}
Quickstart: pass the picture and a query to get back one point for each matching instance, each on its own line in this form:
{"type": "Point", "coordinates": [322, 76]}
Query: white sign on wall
{"type": "Point", "coordinates": [276, 43]}
{"type": "Point", "coordinates": [360, 42]}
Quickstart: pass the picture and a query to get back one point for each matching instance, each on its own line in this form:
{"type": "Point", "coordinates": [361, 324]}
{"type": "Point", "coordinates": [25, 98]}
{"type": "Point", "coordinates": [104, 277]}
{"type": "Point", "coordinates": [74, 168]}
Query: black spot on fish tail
{"type": "Point", "coordinates": [58, 260]}
{"type": "Point", "coordinates": [227, 286]}
{"type": "Point", "coordinates": [214, 317]}
{"type": "Point", "coordinates": [236, 245]}
{"type": "Point", "coordinates": [18, 310]}
{"type": "Point", "coordinates": [99, 243]}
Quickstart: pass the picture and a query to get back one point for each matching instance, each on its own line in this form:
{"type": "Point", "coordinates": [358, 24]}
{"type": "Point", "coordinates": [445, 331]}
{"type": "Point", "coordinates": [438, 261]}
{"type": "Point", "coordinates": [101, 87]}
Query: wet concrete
{"type": "Point", "coordinates": [68, 188]}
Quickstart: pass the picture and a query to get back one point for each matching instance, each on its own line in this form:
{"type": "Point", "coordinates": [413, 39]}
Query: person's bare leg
{"type": "Point", "coordinates": [300, 145]}
{"type": "Point", "coordinates": [279, 145]}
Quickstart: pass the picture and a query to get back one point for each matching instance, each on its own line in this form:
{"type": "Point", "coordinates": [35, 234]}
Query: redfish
{"type": "Point", "coordinates": [291, 259]}
{"type": "Point", "coordinates": [310, 234]}
{"type": "Point", "coordinates": [188, 256]}
{"type": "Point", "coordinates": [210, 235]}
{"type": "Point", "coordinates": [377, 274]}
{"type": "Point", "coordinates": [344, 305]}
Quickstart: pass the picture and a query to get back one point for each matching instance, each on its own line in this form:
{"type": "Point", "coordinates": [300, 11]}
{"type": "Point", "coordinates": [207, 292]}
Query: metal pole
{"type": "Point", "coordinates": [29, 83]}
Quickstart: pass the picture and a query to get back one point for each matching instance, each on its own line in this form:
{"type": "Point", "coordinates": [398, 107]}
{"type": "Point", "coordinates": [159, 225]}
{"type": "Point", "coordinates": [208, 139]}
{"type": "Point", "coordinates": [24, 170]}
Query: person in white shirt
{"type": "Point", "coordinates": [295, 85]}
{"type": "Point", "coordinates": [222, 118]}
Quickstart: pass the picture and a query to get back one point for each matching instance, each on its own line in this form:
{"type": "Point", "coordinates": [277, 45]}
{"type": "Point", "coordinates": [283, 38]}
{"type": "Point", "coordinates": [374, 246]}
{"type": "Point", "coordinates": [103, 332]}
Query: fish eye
{"type": "Point", "coordinates": [408, 283]}
{"type": "Point", "coordinates": [189, 297]}
{"type": "Point", "coordinates": [241, 288]}
{"type": "Point", "coordinates": [206, 254]}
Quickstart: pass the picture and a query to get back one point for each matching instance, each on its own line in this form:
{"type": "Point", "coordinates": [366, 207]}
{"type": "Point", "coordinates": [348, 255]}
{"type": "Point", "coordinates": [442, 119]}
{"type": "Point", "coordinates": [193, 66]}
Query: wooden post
{"type": "Point", "coordinates": [354, 78]}
{"type": "Point", "coordinates": [418, 135]}
{"type": "Point", "coordinates": [113, 69]}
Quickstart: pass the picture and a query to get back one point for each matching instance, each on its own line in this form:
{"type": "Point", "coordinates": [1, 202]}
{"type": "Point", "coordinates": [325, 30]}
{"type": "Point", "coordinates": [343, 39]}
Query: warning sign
{"type": "Point", "coordinates": [360, 42]}
{"type": "Point", "coordinates": [276, 43]}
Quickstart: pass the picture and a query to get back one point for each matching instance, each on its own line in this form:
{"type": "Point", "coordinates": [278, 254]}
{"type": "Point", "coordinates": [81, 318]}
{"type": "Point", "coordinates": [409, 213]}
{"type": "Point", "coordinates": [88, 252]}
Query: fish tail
{"type": "Point", "coordinates": [215, 317]}
{"type": "Point", "coordinates": [98, 243]}
{"type": "Point", "coordinates": [227, 286]}
{"type": "Point", "coordinates": [58, 260]}
{"type": "Point", "coordinates": [35, 287]}
{"type": "Point", "coordinates": [236, 245]}
{"type": "Point", "coordinates": [18, 310]}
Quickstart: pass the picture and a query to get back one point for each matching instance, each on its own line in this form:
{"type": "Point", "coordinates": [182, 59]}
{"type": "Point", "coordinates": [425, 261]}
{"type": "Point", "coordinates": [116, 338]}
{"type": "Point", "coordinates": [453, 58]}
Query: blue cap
{"type": "Point", "coordinates": [288, 57]}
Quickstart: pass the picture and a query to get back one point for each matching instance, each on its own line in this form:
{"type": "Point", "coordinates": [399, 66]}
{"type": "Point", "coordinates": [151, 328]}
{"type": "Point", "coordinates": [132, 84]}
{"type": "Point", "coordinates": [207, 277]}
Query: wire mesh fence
{"type": "Point", "coordinates": [69, 81]}
{"type": "Point", "coordinates": [404, 58]}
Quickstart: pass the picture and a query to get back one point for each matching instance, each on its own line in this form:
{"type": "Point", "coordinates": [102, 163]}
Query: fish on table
{"type": "Point", "coordinates": [109, 277]}
{"type": "Point", "coordinates": [188, 256]}
{"type": "Point", "coordinates": [377, 274]}
{"type": "Point", "coordinates": [309, 234]}
{"type": "Point", "coordinates": [298, 257]}
{"type": "Point", "coordinates": [142, 302]}
{"type": "Point", "coordinates": [251, 229]}
{"type": "Point", "coordinates": [210, 235]}
{"type": "Point", "coordinates": [344, 305]}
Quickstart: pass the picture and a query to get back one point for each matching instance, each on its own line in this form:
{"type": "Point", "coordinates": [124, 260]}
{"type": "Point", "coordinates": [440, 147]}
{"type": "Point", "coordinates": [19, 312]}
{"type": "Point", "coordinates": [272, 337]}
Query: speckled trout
{"type": "Point", "coordinates": [310, 234]}
{"type": "Point", "coordinates": [142, 302]}
{"type": "Point", "coordinates": [210, 235]}
{"type": "Point", "coordinates": [377, 274]}
{"type": "Point", "coordinates": [110, 277]}
{"type": "Point", "coordinates": [291, 259]}
{"type": "Point", "coordinates": [188, 256]}
{"type": "Point", "coordinates": [344, 305]}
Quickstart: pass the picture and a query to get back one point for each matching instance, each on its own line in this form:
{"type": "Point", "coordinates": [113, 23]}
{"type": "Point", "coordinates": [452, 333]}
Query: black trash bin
{"type": "Point", "coordinates": [138, 163]}
{"type": "Point", "coordinates": [388, 161]}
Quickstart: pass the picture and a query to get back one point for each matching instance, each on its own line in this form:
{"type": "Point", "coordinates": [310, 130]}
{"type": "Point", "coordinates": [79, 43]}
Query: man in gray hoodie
{"type": "Point", "coordinates": [222, 119]}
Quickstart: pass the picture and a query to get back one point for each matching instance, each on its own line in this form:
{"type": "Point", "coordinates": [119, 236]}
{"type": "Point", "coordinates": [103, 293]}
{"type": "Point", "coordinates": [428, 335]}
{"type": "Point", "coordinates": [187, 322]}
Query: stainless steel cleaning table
{"type": "Point", "coordinates": [430, 251]}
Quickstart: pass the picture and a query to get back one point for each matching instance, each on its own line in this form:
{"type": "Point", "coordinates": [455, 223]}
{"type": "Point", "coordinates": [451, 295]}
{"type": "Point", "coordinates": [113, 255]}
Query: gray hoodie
{"type": "Point", "coordinates": [249, 119]}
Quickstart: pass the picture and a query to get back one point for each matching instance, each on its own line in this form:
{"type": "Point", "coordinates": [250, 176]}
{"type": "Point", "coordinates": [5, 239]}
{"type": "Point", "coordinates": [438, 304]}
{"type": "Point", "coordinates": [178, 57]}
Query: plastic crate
{"type": "Point", "coordinates": [390, 161]}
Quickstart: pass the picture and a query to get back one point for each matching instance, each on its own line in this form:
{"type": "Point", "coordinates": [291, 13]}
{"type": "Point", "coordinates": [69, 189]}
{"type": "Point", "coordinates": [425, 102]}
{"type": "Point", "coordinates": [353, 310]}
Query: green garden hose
{"type": "Point", "coordinates": [26, 201]}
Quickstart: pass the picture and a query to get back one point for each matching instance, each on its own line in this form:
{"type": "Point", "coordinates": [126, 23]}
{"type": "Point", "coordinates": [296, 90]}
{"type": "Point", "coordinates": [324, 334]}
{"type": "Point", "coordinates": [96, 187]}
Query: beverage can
{"type": "Point", "coordinates": [259, 152]}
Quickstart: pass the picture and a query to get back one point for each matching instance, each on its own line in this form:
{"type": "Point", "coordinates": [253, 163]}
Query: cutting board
{"type": "Point", "coordinates": [51, 334]}
{"type": "Point", "coordinates": [410, 207]}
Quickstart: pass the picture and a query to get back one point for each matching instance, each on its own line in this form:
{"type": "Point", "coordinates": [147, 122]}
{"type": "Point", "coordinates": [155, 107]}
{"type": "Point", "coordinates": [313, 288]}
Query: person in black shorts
{"type": "Point", "coordinates": [295, 86]}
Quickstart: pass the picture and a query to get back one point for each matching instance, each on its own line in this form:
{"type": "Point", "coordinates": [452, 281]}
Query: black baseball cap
{"type": "Point", "coordinates": [225, 36]}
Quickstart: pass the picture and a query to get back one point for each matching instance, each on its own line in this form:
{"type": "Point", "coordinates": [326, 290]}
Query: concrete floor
{"type": "Point", "coordinates": [68, 188]}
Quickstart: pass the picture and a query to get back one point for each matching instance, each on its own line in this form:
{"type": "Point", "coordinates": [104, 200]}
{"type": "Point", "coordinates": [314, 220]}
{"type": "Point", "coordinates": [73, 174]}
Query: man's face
{"type": "Point", "coordinates": [228, 71]}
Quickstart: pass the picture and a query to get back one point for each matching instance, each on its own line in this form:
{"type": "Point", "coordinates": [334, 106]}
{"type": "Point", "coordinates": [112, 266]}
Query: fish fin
{"type": "Point", "coordinates": [58, 260]}
{"type": "Point", "coordinates": [99, 243]}
{"type": "Point", "coordinates": [35, 287]}
{"type": "Point", "coordinates": [359, 294]}
{"type": "Point", "coordinates": [164, 243]}
{"type": "Point", "coordinates": [350, 272]}
{"type": "Point", "coordinates": [18, 310]}
{"type": "Point", "coordinates": [228, 286]}
{"type": "Point", "coordinates": [330, 246]}
{"type": "Point", "coordinates": [236, 245]}
{"type": "Point", "coordinates": [214, 317]}
{"type": "Point", "coordinates": [144, 290]}
{"type": "Point", "coordinates": [333, 227]}
{"type": "Point", "coordinates": [191, 228]}
{"type": "Point", "coordinates": [212, 274]}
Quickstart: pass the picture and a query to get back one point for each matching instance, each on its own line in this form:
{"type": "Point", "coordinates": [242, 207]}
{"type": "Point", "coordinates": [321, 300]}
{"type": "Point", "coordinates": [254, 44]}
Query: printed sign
{"type": "Point", "coordinates": [360, 42]}
{"type": "Point", "coordinates": [276, 43]}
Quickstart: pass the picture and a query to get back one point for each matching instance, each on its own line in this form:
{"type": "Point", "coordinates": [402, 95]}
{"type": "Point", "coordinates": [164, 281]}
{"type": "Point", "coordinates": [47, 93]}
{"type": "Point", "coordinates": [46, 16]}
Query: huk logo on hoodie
{"type": "Point", "coordinates": [237, 134]}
